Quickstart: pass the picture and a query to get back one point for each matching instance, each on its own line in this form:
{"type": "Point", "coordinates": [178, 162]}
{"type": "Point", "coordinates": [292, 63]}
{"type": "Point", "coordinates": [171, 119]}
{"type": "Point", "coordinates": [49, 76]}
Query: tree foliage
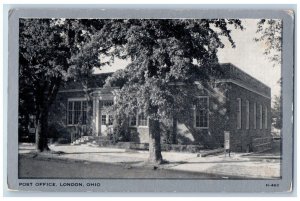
{"type": "Point", "coordinates": [270, 33]}
{"type": "Point", "coordinates": [166, 58]}
{"type": "Point", "coordinates": [277, 112]}
{"type": "Point", "coordinates": [48, 56]}
{"type": "Point", "coordinates": [163, 54]}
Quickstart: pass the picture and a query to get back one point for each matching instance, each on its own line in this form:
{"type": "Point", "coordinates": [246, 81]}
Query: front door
{"type": "Point", "coordinates": [106, 123]}
{"type": "Point", "coordinates": [106, 117]}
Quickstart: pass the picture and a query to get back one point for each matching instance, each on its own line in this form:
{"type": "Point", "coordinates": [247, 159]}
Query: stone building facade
{"type": "Point", "coordinates": [238, 103]}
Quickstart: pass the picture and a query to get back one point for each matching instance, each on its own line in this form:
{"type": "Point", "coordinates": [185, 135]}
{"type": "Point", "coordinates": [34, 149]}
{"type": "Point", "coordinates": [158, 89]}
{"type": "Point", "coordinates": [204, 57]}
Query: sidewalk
{"type": "Point", "coordinates": [236, 165]}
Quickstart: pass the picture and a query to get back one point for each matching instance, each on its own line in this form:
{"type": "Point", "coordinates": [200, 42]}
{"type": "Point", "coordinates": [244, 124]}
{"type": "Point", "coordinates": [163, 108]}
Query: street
{"type": "Point", "coordinates": [66, 161]}
{"type": "Point", "coordinates": [77, 170]}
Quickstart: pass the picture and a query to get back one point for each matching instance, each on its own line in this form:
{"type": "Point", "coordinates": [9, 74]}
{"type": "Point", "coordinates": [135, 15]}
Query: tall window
{"type": "Point", "coordinates": [247, 114]}
{"type": "Point", "coordinates": [143, 121]}
{"type": "Point", "coordinates": [239, 114]}
{"type": "Point", "coordinates": [202, 112]}
{"type": "Point", "coordinates": [254, 116]}
{"type": "Point", "coordinates": [260, 117]}
{"type": "Point", "coordinates": [77, 112]}
{"type": "Point", "coordinates": [266, 117]}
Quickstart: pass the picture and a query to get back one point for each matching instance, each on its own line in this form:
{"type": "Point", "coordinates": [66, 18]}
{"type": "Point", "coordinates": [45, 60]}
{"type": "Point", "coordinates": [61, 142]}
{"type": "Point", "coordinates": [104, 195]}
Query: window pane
{"type": "Point", "coordinates": [103, 119]}
{"type": "Point", "coordinates": [84, 105]}
{"type": "Point", "coordinates": [77, 105]}
{"type": "Point", "coordinates": [239, 113]}
{"type": "Point", "coordinates": [247, 114]}
{"type": "Point", "coordinates": [142, 120]}
{"type": "Point", "coordinates": [70, 112]}
{"type": "Point", "coordinates": [77, 112]}
{"type": "Point", "coordinates": [70, 107]}
{"type": "Point", "coordinates": [84, 117]}
{"type": "Point", "coordinates": [107, 103]}
{"type": "Point", "coordinates": [260, 116]}
{"type": "Point", "coordinates": [70, 120]}
{"type": "Point", "coordinates": [266, 118]}
{"type": "Point", "coordinates": [132, 120]}
{"type": "Point", "coordinates": [110, 119]}
{"type": "Point", "coordinates": [202, 112]}
{"type": "Point", "coordinates": [254, 116]}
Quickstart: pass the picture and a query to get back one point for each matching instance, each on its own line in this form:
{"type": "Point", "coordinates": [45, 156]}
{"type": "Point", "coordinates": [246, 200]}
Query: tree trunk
{"type": "Point", "coordinates": [42, 132]}
{"type": "Point", "coordinates": [155, 156]}
{"type": "Point", "coordinates": [174, 131]}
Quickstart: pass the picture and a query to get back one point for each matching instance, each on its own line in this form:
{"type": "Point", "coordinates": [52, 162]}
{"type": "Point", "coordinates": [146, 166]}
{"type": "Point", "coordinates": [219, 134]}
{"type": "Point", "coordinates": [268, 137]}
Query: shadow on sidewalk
{"type": "Point", "coordinates": [204, 162]}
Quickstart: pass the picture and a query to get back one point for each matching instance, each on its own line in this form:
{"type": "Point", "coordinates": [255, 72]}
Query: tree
{"type": "Point", "coordinates": [269, 32]}
{"type": "Point", "coordinates": [277, 113]}
{"type": "Point", "coordinates": [48, 55]}
{"type": "Point", "coordinates": [162, 53]}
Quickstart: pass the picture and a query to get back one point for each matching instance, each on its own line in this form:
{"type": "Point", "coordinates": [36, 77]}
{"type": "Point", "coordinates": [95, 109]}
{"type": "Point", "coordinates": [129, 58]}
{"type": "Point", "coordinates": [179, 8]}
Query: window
{"type": "Point", "coordinates": [260, 117]}
{"type": "Point", "coordinates": [142, 120]}
{"type": "Point", "coordinates": [266, 118]}
{"type": "Point", "coordinates": [110, 120]}
{"type": "Point", "coordinates": [202, 112]}
{"type": "Point", "coordinates": [103, 119]}
{"type": "Point", "coordinates": [247, 114]}
{"type": "Point", "coordinates": [132, 120]}
{"type": "Point", "coordinates": [239, 114]}
{"type": "Point", "coordinates": [254, 116]}
{"type": "Point", "coordinates": [107, 103]}
{"type": "Point", "coordinates": [77, 112]}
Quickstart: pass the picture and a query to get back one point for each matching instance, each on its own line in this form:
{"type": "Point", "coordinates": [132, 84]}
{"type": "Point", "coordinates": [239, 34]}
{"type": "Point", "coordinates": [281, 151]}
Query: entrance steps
{"type": "Point", "coordinates": [90, 140]}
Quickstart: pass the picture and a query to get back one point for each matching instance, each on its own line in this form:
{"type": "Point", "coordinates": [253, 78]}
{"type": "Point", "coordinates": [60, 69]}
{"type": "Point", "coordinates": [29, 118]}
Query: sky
{"type": "Point", "coordinates": [248, 56]}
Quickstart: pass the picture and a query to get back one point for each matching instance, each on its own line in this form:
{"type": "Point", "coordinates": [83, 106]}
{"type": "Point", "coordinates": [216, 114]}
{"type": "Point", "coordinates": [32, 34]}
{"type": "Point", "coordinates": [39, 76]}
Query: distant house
{"type": "Point", "coordinates": [238, 103]}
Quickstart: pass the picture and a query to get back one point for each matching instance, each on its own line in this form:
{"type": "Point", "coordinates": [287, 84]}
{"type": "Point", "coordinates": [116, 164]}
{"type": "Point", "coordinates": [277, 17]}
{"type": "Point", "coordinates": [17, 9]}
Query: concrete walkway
{"type": "Point", "coordinates": [238, 165]}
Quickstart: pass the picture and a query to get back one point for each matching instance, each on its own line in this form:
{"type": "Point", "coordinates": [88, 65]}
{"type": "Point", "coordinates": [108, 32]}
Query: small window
{"type": "Point", "coordinates": [239, 114]}
{"type": "Point", "coordinates": [107, 103]}
{"type": "Point", "coordinates": [247, 114]}
{"type": "Point", "coordinates": [142, 120]}
{"type": "Point", "coordinates": [202, 112]}
{"type": "Point", "coordinates": [103, 119]}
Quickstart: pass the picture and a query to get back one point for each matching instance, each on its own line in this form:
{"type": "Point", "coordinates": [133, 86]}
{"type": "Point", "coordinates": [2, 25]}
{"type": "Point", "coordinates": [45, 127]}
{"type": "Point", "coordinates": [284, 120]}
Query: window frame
{"type": "Point", "coordinates": [266, 117]}
{"type": "Point", "coordinates": [102, 115]}
{"type": "Point", "coordinates": [130, 120]}
{"type": "Point", "coordinates": [260, 117]}
{"type": "Point", "coordinates": [247, 114]}
{"type": "Point", "coordinates": [195, 113]}
{"type": "Point", "coordinates": [239, 114]}
{"type": "Point", "coordinates": [138, 120]}
{"type": "Point", "coordinates": [73, 100]}
{"type": "Point", "coordinates": [110, 119]}
{"type": "Point", "coordinates": [254, 115]}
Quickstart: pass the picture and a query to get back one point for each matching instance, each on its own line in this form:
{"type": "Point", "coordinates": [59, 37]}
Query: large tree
{"type": "Point", "coordinates": [49, 54]}
{"type": "Point", "coordinates": [162, 54]}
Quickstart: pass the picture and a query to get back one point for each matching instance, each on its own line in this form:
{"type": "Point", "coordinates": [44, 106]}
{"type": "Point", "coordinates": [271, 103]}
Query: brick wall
{"type": "Point", "coordinates": [242, 139]}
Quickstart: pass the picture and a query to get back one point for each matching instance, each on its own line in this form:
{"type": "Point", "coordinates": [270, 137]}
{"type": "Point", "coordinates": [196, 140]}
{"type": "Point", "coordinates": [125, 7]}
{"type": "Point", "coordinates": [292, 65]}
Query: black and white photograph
{"type": "Point", "coordinates": [149, 99]}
